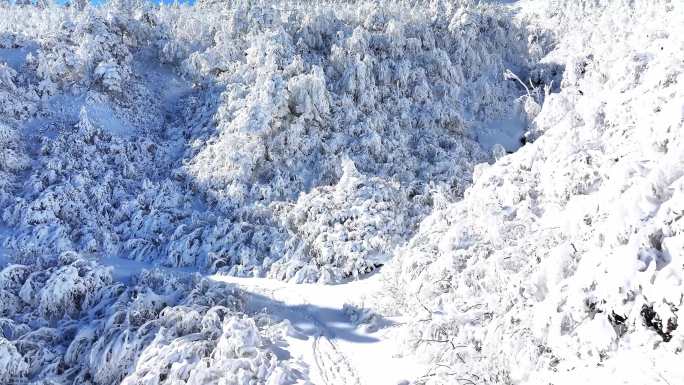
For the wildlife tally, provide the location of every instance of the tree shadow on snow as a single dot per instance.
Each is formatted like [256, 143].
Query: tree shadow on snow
[310, 320]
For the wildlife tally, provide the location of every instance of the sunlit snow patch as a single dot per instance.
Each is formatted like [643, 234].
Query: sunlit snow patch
[322, 333]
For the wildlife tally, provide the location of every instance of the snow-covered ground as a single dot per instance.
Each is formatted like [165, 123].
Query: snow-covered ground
[327, 326]
[365, 192]
[343, 345]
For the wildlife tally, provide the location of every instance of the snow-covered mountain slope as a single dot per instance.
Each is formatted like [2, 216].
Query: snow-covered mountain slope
[188, 135]
[509, 172]
[563, 262]
[302, 142]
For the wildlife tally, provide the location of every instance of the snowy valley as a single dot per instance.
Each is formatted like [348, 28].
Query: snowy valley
[342, 192]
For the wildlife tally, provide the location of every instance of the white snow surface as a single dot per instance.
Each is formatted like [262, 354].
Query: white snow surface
[344, 343]
[364, 192]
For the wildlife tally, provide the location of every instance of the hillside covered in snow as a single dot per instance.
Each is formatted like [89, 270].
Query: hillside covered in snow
[342, 192]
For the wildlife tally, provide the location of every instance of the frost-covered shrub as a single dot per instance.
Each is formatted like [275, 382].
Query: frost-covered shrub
[13, 159]
[236, 356]
[110, 75]
[345, 230]
[74, 286]
[12, 365]
[13, 276]
[9, 303]
[363, 316]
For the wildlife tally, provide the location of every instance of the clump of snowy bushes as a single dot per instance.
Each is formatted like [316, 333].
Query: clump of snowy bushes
[70, 323]
[13, 159]
[347, 229]
[359, 315]
[563, 262]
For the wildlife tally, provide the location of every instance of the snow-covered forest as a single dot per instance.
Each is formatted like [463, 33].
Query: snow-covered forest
[337, 192]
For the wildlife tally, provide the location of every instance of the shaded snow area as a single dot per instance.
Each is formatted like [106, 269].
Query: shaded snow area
[328, 327]
[334, 193]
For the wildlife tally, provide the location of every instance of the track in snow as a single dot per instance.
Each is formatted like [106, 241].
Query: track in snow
[323, 337]
[335, 350]
[332, 364]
